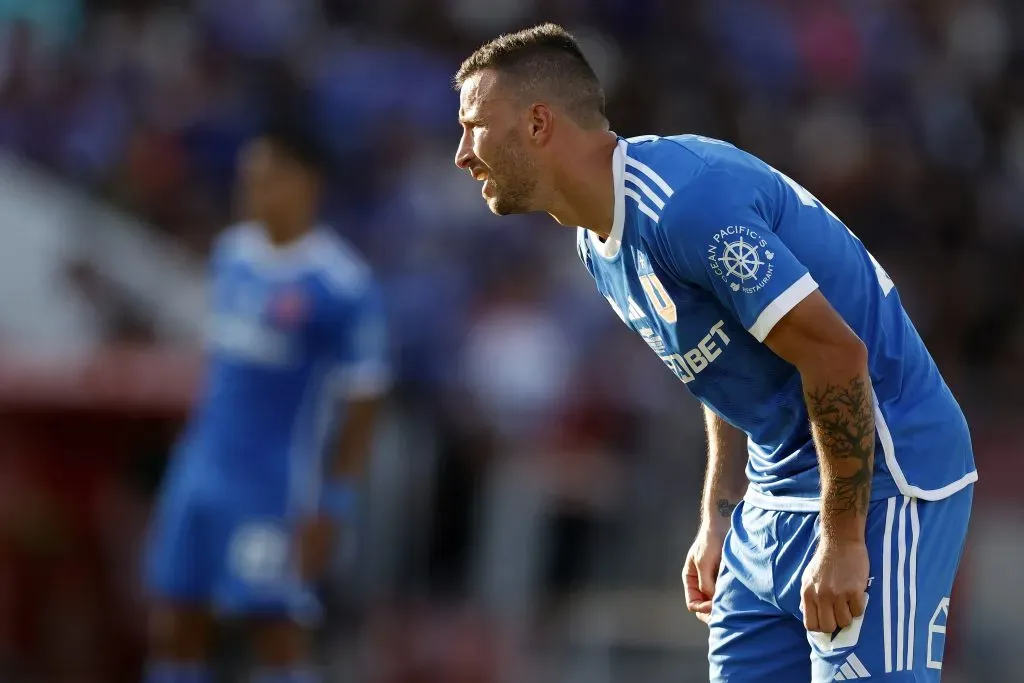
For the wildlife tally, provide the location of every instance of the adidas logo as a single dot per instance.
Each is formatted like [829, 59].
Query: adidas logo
[852, 670]
[635, 312]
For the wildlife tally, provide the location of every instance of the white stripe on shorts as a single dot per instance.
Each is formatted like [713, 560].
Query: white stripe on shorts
[890, 511]
[901, 568]
[915, 530]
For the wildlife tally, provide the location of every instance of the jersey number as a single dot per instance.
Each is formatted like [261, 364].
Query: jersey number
[659, 298]
[808, 199]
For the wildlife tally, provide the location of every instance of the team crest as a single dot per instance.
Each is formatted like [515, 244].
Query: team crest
[643, 266]
[740, 257]
[288, 308]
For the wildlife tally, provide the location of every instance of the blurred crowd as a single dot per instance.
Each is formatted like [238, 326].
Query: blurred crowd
[906, 117]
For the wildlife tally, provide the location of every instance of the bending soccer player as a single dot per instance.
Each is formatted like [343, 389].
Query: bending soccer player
[835, 560]
[248, 508]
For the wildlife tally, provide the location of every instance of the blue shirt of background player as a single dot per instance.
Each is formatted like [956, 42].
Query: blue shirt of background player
[710, 248]
[292, 332]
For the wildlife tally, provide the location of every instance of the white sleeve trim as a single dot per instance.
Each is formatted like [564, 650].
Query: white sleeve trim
[783, 304]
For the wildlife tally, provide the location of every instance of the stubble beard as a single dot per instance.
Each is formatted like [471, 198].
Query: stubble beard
[514, 192]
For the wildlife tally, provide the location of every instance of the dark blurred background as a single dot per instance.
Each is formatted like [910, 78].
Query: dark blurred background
[535, 484]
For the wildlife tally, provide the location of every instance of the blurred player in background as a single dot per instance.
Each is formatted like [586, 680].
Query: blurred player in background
[840, 555]
[296, 352]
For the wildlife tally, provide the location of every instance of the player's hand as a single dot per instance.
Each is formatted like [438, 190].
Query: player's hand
[701, 570]
[316, 538]
[833, 585]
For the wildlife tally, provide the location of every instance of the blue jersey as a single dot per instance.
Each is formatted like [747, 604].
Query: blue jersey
[292, 332]
[710, 248]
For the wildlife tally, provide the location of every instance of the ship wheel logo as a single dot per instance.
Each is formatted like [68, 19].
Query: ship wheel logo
[741, 259]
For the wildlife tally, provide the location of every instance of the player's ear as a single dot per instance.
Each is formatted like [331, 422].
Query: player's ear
[541, 120]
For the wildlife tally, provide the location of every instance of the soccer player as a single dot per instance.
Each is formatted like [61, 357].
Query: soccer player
[295, 355]
[836, 562]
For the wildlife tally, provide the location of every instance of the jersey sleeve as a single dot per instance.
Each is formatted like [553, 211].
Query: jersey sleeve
[360, 341]
[717, 234]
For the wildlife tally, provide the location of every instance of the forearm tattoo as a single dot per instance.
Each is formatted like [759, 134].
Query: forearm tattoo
[843, 423]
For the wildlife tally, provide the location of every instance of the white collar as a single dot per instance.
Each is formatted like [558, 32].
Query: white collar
[258, 250]
[610, 247]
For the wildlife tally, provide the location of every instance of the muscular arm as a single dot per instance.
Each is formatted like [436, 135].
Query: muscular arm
[833, 367]
[724, 485]
[725, 480]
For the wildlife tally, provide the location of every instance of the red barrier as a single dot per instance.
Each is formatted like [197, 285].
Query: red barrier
[137, 380]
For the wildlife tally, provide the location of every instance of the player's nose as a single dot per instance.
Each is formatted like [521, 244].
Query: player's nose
[464, 154]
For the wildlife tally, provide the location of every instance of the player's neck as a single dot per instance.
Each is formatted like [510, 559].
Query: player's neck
[284, 233]
[583, 192]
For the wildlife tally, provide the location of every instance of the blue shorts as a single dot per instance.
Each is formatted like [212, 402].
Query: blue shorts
[757, 631]
[234, 556]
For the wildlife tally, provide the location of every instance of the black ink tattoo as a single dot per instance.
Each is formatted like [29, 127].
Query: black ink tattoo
[844, 426]
[725, 507]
